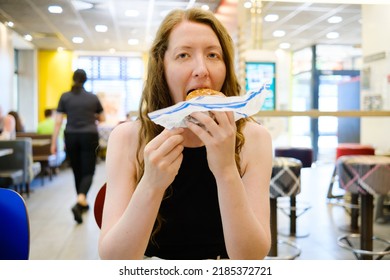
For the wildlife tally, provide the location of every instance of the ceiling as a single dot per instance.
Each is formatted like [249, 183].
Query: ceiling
[304, 23]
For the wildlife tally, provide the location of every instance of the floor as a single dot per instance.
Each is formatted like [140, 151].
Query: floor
[56, 236]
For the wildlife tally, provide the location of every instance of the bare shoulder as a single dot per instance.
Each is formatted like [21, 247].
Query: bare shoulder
[254, 131]
[127, 131]
[123, 140]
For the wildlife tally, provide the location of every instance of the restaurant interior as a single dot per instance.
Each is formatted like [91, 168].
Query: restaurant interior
[327, 67]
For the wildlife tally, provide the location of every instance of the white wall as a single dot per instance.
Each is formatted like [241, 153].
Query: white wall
[7, 98]
[376, 39]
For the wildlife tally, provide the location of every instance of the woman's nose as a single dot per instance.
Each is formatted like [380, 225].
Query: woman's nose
[200, 68]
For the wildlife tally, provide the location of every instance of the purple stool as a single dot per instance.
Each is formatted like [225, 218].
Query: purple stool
[305, 156]
[285, 182]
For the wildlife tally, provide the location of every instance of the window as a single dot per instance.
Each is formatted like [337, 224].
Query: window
[117, 80]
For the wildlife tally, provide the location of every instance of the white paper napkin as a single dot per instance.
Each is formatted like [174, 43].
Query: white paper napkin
[242, 106]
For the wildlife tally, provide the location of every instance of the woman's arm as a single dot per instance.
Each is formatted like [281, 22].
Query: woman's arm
[57, 127]
[130, 210]
[244, 202]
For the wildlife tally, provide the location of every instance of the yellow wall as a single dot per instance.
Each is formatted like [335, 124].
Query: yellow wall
[54, 77]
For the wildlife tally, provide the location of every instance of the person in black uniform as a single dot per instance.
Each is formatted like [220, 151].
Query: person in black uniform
[83, 111]
[200, 192]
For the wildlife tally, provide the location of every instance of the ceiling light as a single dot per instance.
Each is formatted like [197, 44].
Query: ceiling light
[9, 24]
[28, 37]
[132, 13]
[77, 40]
[335, 19]
[284, 46]
[81, 5]
[248, 4]
[205, 7]
[133, 42]
[271, 17]
[101, 28]
[279, 33]
[55, 9]
[332, 35]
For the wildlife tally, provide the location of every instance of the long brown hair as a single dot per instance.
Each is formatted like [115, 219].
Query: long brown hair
[156, 93]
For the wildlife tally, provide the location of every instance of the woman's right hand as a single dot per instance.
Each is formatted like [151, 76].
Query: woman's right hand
[163, 157]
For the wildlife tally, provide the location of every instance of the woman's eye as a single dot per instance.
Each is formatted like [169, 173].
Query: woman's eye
[214, 55]
[182, 55]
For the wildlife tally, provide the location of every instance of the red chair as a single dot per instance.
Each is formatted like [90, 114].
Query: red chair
[99, 205]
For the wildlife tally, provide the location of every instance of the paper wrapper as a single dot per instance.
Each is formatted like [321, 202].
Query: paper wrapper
[242, 106]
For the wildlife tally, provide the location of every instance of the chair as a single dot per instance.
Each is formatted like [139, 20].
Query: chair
[99, 204]
[14, 224]
[285, 182]
[19, 160]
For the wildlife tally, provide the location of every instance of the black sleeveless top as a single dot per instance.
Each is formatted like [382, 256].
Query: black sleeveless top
[192, 226]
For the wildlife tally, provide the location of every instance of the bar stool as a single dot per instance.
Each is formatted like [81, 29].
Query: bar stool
[346, 149]
[352, 207]
[365, 176]
[285, 181]
[293, 210]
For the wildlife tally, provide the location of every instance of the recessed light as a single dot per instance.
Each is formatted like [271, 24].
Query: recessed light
[132, 13]
[284, 46]
[77, 40]
[248, 5]
[55, 9]
[133, 42]
[9, 24]
[271, 18]
[335, 19]
[332, 35]
[101, 28]
[28, 37]
[279, 33]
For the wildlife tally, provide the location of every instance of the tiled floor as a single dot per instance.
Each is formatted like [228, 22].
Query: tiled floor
[55, 235]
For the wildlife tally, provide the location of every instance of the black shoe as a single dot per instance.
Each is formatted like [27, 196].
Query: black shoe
[76, 210]
[83, 208]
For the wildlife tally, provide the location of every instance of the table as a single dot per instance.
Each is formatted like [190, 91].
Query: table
[40, 142]
[5, 152]
[366, 175]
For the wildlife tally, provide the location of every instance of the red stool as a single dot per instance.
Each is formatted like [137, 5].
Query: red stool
[348, 149]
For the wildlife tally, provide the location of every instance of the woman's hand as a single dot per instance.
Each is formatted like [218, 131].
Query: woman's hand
[218, 133]
[163, 157]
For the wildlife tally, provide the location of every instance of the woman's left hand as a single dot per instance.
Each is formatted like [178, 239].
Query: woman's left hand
[218, 133]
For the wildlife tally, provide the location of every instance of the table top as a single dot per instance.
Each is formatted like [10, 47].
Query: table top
[365, 174]
[4, 152]
[41, 142]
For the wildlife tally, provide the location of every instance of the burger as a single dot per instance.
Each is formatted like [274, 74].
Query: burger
[203, 92]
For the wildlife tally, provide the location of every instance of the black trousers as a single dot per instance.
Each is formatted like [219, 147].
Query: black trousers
[82, 149]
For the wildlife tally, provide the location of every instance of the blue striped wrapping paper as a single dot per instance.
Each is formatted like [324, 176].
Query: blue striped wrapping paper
[242, 106]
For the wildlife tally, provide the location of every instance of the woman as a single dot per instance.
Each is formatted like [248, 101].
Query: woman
[83, 110]
[7, 126]
[188, 193]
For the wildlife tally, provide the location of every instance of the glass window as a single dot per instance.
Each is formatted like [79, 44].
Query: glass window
[117, 80]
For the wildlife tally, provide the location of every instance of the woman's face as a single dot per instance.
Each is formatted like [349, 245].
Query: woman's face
[193, 60]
